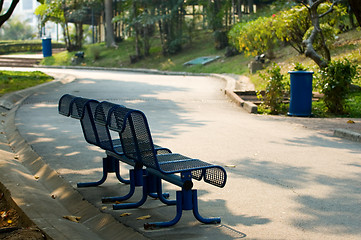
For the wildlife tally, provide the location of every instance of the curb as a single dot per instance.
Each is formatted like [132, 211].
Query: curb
[40, 192]
[229, 91]
[347, 134]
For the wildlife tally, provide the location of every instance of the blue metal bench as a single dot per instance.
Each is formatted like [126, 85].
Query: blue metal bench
[137, 144]
[97, 133]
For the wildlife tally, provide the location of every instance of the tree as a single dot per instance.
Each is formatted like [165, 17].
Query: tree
[108, 6]
[9, 12]
[312, 6]
[68, 11]
[15, 29]
[356, 9]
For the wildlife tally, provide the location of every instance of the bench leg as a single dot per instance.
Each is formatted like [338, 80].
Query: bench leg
[155, 189]
[110, 165]
[153, 225]
[186, 200]
[133, 174]
[136, 204]
[196, 213]
[163, 197]
[151, 187]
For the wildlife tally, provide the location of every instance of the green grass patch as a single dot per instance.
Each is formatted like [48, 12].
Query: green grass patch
[353, 107]
[13, 81]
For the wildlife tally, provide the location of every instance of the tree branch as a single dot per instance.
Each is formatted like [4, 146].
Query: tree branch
[1, 5]
[303, 3]
[330, 9]
[6, 16]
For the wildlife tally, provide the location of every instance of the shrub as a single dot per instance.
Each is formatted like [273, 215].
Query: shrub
[94, 52]
[299, 67]
[274, 93]
[334, 82]
[255, 37]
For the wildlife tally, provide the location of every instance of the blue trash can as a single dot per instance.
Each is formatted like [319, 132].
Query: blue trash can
[301, 93]
[46, 44]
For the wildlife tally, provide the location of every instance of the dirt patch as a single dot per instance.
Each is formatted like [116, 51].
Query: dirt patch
[14, 224]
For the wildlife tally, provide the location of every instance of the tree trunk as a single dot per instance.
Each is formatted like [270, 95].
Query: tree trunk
[9, 12]
[250, 6]
[356, 9]
[108, 23]
[310, 51]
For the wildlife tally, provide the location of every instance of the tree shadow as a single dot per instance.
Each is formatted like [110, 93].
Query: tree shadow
[327, 202]
[60, 142]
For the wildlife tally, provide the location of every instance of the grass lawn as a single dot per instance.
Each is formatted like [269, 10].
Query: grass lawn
[11, 81]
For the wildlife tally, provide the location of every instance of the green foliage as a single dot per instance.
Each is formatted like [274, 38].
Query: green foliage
[274, 93]
[291, 26]
[299, 67]
[24, 46]
[15, 29]
[94, 52]
[254, 37]
[329, 34]
[334, 82]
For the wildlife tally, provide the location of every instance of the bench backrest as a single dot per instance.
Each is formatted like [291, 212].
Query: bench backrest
[101, 118]
[87, 110]
[83, 109]
[64, 105]
[135, 136]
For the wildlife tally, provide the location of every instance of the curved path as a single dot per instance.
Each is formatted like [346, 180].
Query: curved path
[288, 178]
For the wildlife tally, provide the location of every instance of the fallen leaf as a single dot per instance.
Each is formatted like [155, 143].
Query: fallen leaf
[9, 221]
[16, 156]
[72, 218]
[144, 217]
[104, 208]
[4, 214]
[125, 214]
[350, 121]
[231, 166]
[36, 177]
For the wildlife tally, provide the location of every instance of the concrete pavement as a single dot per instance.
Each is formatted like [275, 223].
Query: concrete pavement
[289, 178]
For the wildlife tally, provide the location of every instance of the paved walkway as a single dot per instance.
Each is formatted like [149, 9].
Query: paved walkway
[289, 178]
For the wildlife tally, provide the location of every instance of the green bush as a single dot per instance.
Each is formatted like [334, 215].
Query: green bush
[291, 26]
[299, 67]
[274, 93]
[24, 46]
[334, 82]
[94, 52]
[254, 37]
